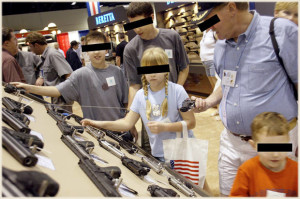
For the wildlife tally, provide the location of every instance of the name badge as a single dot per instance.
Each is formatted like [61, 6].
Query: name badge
[111, 81]
[275, 194]
[228, 78]
[169, 52]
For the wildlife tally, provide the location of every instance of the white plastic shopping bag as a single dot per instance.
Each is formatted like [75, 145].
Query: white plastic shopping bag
[188, 156]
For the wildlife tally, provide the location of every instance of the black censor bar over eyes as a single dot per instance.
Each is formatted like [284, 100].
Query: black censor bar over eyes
[96, 47]
[209, 23]
[283, 147]
[153, 69]
[137, 24]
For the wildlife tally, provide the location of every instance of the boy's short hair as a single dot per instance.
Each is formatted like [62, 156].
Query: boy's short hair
[95, 35]
[36, 37]
[139, 8]
[6, 34]
[285, 6]
[74, 43]
[271, 123]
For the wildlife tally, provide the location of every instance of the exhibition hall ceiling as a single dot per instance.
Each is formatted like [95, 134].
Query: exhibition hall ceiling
[9, 8]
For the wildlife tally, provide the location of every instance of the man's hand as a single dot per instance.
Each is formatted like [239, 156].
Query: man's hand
[156, 127]
[200, 104]
[134, 133]
[39, 81]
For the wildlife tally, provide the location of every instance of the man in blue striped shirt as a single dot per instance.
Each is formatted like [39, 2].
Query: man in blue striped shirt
[253, 80]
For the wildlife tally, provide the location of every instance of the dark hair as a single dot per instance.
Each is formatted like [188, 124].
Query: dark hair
[6, 34]
[96, 35]
[139, 8]
[121, 35]
[74, 43]
[36, 37]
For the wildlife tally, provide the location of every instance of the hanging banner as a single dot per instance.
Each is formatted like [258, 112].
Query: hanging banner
[93, 8]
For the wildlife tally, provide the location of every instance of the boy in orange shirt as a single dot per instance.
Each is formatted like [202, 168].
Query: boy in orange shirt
[269, 173]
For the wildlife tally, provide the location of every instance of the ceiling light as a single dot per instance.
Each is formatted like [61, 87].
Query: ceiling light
[23, 31]
[51, 25]
[73, 3]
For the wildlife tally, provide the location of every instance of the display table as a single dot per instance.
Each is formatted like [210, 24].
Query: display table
[73, 182]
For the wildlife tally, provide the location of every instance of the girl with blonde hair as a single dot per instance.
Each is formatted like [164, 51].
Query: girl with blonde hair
[157, 103]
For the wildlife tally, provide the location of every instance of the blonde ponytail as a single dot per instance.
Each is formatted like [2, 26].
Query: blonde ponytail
[164, 105]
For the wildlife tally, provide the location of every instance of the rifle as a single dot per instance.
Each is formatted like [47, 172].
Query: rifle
[101, 177]
[67, 129]
[15, 106]
[186, 185]
[138, 168]
[27, 183]
[26, 139]
[9, 88]
[130, 148]
[19, 116]
[157, 191]
[18, 150]
[184, 188]
[14, 122]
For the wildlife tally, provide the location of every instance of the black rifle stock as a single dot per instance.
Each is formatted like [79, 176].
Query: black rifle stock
[67, 129]
[18, 150]
[15, 106]
[138, 168]
[19, 116]
[157, 191]
[26, 139]
[101, 177]
[14, 122]
[27, 183]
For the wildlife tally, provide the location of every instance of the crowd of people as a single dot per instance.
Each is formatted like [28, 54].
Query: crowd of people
[255, 97]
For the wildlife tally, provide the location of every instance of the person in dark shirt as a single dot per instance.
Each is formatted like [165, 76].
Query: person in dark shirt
[120, 50]
[72, 56]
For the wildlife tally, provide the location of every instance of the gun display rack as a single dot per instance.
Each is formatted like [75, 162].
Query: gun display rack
[75, 151]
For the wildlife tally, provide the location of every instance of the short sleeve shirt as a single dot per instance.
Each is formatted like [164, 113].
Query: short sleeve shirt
[55, 66]
[29, 62]
[98, 102]
[261, 84]
[169, 40]
[176, 95]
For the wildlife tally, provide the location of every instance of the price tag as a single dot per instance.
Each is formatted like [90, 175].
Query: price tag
[45, 162]
[39, 135]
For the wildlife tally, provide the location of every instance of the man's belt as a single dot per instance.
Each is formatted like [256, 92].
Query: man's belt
[292, 125]
[243, 137]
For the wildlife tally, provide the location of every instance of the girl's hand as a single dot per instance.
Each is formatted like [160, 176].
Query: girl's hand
[156, 127]
[86, 122]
